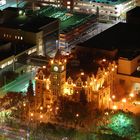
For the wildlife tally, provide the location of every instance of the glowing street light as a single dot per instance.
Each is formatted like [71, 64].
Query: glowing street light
[104, 60]
[24, 104]
[41, 108]
[124, 100]
[48, 106]
[114, 107]
[57, 108]
[77, 115]
[41, 116]
[32, 114]
[131, 95]
[82, 73]
[113, 69]
[113, 96]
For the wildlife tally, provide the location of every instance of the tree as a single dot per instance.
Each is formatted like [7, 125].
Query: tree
[30, 91]
[123, 124]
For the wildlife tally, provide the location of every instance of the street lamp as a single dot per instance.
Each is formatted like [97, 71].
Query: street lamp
[114, 107]
[41, 108]
[131, 95]
[124, 100]
[32, 114]
[24, 104]
[77, 115]
[41, 116]
[113, 96]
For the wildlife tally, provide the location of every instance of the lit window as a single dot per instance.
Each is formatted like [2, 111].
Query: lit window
[15, 37]
[68, 2]
[4, 35]
[21, 38]
[68, 7]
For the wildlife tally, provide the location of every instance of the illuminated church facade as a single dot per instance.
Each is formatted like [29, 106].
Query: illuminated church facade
[97, 88]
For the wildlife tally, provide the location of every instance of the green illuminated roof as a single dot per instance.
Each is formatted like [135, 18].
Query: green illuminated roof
[68, 20]
[110, 2]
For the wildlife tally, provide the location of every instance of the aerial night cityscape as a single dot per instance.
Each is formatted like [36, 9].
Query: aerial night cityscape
[69, 69]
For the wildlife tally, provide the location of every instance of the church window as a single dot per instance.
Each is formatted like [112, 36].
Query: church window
[55, 77]
[79, 84]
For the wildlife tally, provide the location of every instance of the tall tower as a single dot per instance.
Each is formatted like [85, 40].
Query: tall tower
[58, 75]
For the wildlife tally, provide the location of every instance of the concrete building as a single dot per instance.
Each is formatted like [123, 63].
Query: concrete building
[109, 10]
[12, 54]
[73, 25]
[40, 31]
[120, 38]
[120, 43]
[129, 73]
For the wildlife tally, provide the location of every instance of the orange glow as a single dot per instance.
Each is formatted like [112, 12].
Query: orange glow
[77, 115]
[74, 85]
[57, 108]
[60, 63]
[32, 114]
[36, 78]
[91, 84]
[48, 106]
[115, 107]
[51, 61]
[41, 108]
[131, 94]
[113, 96]
[82, 73]
[124, 100]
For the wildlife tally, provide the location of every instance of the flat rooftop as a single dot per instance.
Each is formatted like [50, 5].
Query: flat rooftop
[68, 20]
[84, 62]
[12, 9]
[129, 55]
[110, 2]
[32, 23]
[135, 12]
[14, 49]
[122, 36]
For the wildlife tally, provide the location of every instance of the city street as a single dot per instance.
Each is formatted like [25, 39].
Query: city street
[18, 85]
[7, 133]
[12, 3]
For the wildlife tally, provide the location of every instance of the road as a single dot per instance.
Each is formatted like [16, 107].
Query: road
[128, 106]
[90, 33]
[8, 133]
[12, 3]
[18, 85]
